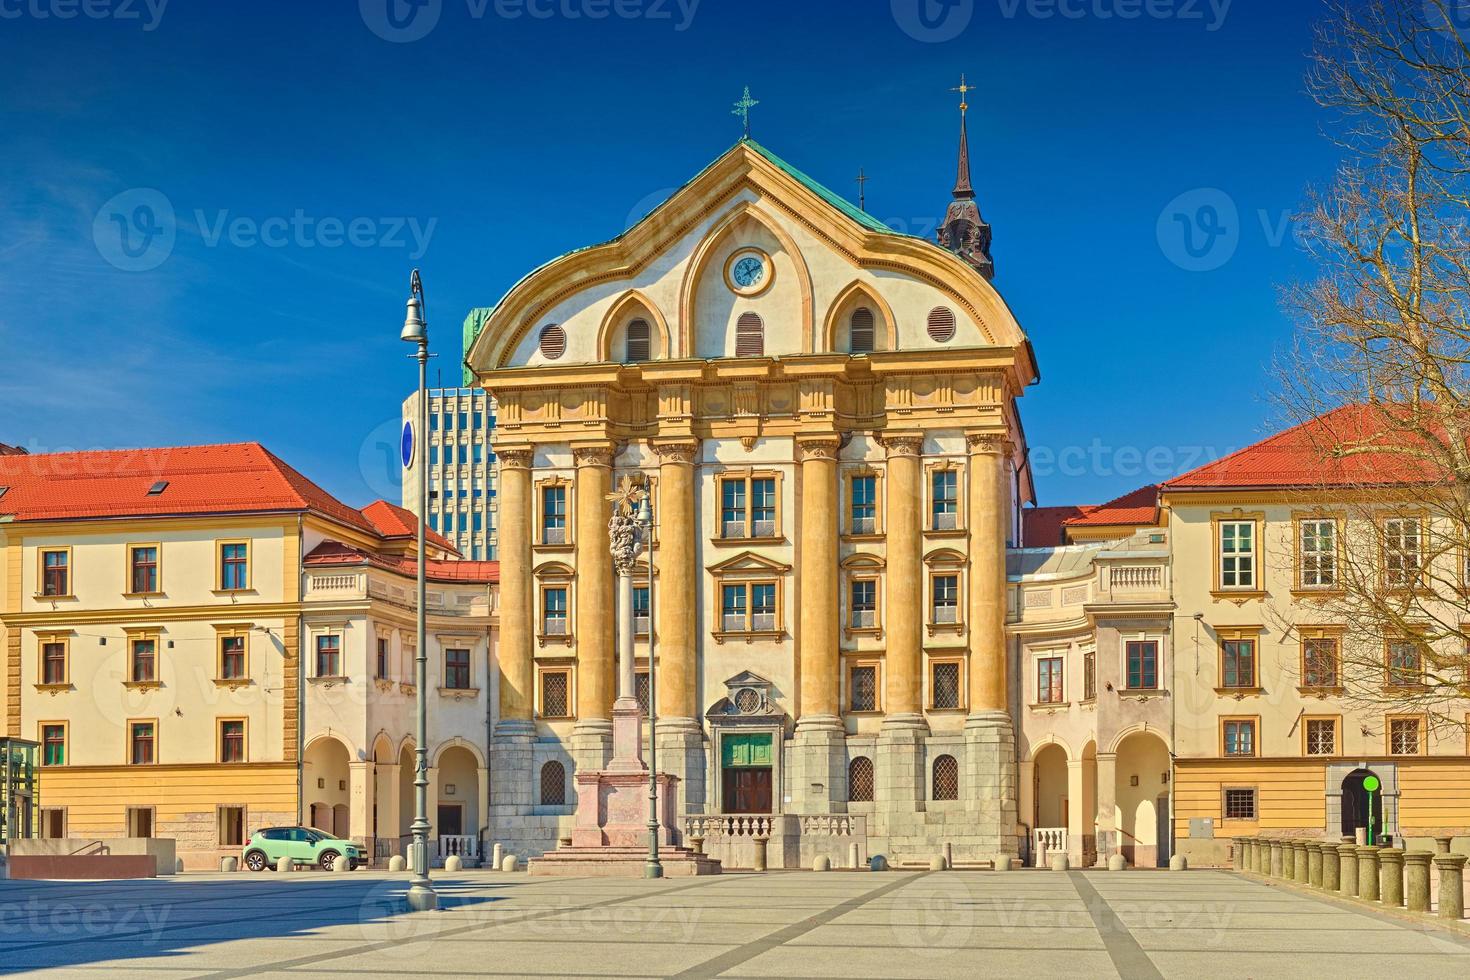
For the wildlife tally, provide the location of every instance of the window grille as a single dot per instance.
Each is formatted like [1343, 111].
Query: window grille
[553, 784]
[860, 780]
[946, 778]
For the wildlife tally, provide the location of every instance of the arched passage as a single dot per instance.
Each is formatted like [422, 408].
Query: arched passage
[1357, 811]
[1142, 800]
[405, 793]
[325, 792]
[1050, 803]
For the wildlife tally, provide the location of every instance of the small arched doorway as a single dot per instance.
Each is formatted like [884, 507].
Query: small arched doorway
[1355, 804]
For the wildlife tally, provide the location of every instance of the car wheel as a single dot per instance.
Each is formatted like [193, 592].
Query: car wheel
[327, 860]
[255, 861]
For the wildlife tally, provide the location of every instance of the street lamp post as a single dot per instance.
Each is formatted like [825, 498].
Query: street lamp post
[654, 868]
[421, 896]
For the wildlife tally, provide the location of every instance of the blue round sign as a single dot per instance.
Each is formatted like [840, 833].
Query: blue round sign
[406, 444]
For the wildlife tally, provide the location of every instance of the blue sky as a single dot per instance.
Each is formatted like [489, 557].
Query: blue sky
[1138, 159]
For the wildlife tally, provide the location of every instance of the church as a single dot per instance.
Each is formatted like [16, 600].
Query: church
[825, 413]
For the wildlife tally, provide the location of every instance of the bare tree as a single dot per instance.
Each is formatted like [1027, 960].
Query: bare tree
[1377, 378]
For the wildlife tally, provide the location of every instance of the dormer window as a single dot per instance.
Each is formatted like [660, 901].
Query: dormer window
[860, 331]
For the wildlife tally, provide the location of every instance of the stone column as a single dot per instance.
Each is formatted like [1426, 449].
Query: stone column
[1107, 806]
[1451, 868]
[1076, 825]
[818, 753]
[511, 790]
[595, 594]
[1331, 880]
[1288, 860]
[1347, 855]
[1302, 873]
[1277, 860]
[902, 775]
[360, 799]
[1368, 873]
[1237, 852]
[1391, 876]
[677, 623]
[1416, 880]
[989, 733]
[1314, 863]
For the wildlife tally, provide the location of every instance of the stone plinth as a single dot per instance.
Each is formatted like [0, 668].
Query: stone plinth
[1391, 877]
[1416, 880]
[1368, 873]
[1348, 874]
[1451, 868]
[1330, 866]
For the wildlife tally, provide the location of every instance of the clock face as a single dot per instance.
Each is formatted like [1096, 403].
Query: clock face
[748, 271]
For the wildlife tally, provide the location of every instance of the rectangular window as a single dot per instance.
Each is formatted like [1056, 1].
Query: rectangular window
[143, 569]
[1240, 736]
[763, 606]
[53, 745]
[383, 658]
[433, 455]
[329, 655]
[53, 662]
[1317, 549]
[142, 744]
[864, 505]
[1237, 555]
[232, 824]
[642, 690]
[143, 661]
[53, 822]
[863, 611]
[1319, 662]
[556, 694]
[56, 573]
[433, 421]
[946, 599]
[464, 421]
[234, 567]
[479, 454]
[232, 658]
[1321, 736]
[640, 610]
[1089, 675]
[478, 421]
[944, 500]
[553, 515]
[1402, 553]
[457, 669]
[862, 683]
[232, 741]
[140, 821]
[944, 680]
[1403, 736]
[763, 507]
[1240, 804]
[554, 611]
[1049, 688]
[1405, 664]
[1238, 663]
[732, 509]
[748, 507]
[1143, 665]
[732, 608]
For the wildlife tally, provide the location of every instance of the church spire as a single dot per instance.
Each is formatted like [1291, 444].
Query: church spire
[964, 232]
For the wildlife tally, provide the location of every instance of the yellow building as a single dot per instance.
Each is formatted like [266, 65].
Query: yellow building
[825, 410]
[153, 605]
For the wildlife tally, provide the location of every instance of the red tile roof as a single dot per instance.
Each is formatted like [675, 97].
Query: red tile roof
[1138, 507]
[1310, 455]
[392, 521]
[240, 478]
[331, 554]
[1041, 527]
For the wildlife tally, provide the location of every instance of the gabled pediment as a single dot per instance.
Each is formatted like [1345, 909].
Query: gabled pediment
[748, 562]
[747, 678]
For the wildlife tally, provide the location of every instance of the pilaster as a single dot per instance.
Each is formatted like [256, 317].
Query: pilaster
[517, 589]
[595, 599]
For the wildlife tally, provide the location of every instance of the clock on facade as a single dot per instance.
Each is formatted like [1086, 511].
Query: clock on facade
[748, 271]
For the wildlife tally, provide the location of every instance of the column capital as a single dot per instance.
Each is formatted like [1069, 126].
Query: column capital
[515, 457]
[817, 447]
[903, 443]
[988, 443]
[593, 454]
[684, 451]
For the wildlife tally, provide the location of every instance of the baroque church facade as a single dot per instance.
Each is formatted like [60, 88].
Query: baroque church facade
[825, 413]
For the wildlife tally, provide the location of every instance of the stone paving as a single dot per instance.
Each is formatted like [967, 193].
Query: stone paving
[795, 924]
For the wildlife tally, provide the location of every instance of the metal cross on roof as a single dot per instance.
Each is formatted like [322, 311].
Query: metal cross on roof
[963, 88]
[862, 179]
[742, 109]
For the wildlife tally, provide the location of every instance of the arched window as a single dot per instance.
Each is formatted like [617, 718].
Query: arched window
[639, 344]
[946, 778]
[553, 341]
[941, 324]
[750, 336]
[860, 780]
[553, 784]
[860, 331]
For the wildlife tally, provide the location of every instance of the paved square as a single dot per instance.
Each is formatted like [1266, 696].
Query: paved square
[796, 924]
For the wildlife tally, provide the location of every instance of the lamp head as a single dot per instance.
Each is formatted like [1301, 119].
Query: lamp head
[644, 515]
[415, 330]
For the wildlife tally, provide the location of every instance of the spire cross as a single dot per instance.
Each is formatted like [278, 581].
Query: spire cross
[963, 89]
[742, 109]
[862, 179]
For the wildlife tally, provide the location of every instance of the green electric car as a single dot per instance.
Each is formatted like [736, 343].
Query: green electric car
[304, 845]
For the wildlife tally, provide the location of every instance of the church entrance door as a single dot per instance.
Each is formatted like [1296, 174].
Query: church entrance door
[746, 764]
[747, 790]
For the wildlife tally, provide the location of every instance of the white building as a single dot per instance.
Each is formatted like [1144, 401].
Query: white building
[461, 469]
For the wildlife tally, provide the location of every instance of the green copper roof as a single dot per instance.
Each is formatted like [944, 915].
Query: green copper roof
[831, 197]
[474, 322]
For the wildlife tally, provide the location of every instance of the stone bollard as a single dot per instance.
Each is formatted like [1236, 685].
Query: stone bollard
[1330, 880]
[1276, 858]
[1288, 860]
[1303, 874]
[1451, 869]
[1004, 862]
[497, 855]
[853, 859]
[1262, 852]
[1059, 861]
[696, 844]
[454, 863]
[1237, 854]
[1416, 880]
[285, 866]
[1117, 862]
[1391, 876]
[759, 863]
[1314, 863]
[1347, 855]
[397, 863]
[1178, 862]
[877, 863]
[936, 863]
[510, 863]
[948, 856]
[178, 866]
[341, 866]
[229, 864]
[822, 863]
[1368, 873]
[1442, 845]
